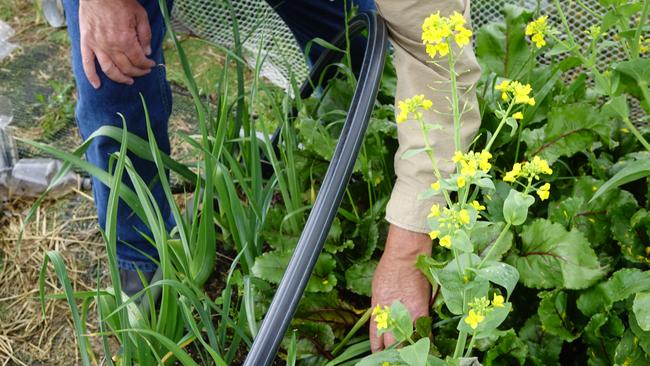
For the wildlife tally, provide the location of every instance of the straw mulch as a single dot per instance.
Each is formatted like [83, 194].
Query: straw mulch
[68, 226]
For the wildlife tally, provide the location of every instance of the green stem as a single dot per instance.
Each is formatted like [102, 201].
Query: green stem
[454, 99]
[643, 85]
[471, 345]
[499, 238]
[636, 133]
[436, 171]
[639, 29]
[460, 344]
[501, 124]
[360, 323]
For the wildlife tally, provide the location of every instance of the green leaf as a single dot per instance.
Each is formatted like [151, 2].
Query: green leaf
[412, 152]
[641, 308]
[358, 278]
[629, 352]
[416, 354]
[571, 129]
[620, 286]
[461, 242]
[484, 237]
[552, 257]
[271, 266]
[501, 274]
[638, 69]
[552, 312]
[633, 171]
[378, 359]
[403, 328]
[509, 349]
[543, 348]
[502, 47]
[515, 207]
[488, 327]
[423, 326]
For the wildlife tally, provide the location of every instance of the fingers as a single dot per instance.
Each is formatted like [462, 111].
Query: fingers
[88, 62]
[376, 342]
[111, 70]
[388, 339]
[144, 32]
[123, 62]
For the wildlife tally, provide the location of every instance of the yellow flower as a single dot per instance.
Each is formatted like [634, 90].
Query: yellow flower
[477, 206]
[458, 156]
[435, 186]
[435, 210]
[544, 191]
[539, 165]
[473, 319]
[512, 175]
[438, 31]
[497, 301]
[463, 215]
[537, 30]
[385, 364]
[518, 115]
[460, 181]
[434, 234]
[513, 89]
[445, 241]
[412, 107]
[382, 316]
[484, 161]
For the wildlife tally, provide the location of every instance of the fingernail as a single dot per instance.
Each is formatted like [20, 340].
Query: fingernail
[148, 50]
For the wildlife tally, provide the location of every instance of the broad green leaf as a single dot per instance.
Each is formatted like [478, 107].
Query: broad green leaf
[508, 348]
[484, 237]
[312, 337]
[391, 356]
[629, 351]
[621, 285]
[571, 129]
[502, 47]
[644, 336]
[641, 308]
[515, 207]
[638, 69]
[462, 242]
[271, 266]
[489, 325]
[552, 257]
[358, 278]
[416, 354]
[501, 274]
[552, 313]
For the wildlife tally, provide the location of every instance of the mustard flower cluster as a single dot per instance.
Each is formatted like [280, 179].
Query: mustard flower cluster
[412, 107]
[382, 316]
[472, 162]
[438, 32]
[531, 170]
[537, 31]
[446, 222]
[511, 89]
[481, 307]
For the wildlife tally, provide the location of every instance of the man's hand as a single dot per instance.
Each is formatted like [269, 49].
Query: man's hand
[118, 34]
[397, 278]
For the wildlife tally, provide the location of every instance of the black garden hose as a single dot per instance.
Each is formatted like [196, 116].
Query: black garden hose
[310, 244]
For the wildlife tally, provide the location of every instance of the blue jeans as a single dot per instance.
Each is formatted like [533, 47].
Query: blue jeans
[307, 19]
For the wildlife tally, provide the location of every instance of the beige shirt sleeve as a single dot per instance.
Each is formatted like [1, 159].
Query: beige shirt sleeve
[417, 75]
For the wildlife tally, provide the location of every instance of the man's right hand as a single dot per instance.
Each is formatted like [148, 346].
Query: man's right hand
[118, 34]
